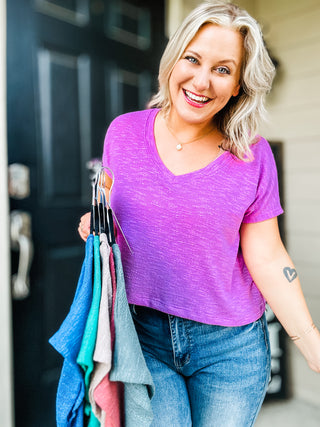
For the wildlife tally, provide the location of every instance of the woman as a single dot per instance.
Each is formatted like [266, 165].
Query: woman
[196, 194]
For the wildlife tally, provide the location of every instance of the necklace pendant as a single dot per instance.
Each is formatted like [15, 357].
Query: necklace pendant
[179, 147]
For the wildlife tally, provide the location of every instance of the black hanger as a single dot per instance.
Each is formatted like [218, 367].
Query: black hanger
[101, 212]
[111, 235]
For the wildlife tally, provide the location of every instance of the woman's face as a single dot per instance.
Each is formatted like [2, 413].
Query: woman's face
[207, 75]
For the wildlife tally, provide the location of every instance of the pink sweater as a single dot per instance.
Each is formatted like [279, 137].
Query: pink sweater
[184, 230]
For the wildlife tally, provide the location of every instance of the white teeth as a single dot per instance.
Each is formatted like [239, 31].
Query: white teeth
[196, 97]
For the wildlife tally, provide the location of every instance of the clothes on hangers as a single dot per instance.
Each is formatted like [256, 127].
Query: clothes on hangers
[109, 395]
[85, 356]
[114, 292]
[109, 398]
[102, 353]
[129, 365]
[67, 341]
[105, 380]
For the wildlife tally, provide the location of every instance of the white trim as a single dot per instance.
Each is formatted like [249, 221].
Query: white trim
[6, 393]
[174, 15]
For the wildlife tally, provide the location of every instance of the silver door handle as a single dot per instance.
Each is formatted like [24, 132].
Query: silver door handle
[20, 232]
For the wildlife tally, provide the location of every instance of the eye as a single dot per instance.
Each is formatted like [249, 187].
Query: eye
[223, 70]
[191, 59]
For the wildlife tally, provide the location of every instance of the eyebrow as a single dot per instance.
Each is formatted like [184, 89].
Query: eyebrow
[219, 62]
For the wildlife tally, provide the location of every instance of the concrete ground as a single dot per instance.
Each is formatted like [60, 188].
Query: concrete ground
[288, 413]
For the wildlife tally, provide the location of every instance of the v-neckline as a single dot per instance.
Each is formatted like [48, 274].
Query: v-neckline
[151, 142]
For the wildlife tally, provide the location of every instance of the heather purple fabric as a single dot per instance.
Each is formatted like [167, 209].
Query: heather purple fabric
[184, 230]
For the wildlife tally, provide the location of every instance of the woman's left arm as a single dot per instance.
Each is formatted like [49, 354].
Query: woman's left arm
[274, 274]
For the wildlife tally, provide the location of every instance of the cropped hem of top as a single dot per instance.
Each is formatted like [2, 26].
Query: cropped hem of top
[184, 229]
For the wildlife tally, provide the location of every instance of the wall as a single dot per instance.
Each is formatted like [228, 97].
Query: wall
[177, 10]
[6, 413]
[292, 32]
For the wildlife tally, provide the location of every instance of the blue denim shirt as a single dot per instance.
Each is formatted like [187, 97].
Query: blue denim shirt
[67, 341]
[129, 365]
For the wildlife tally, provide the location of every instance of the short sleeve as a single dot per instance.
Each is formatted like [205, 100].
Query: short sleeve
[266, 204]
[107, 147]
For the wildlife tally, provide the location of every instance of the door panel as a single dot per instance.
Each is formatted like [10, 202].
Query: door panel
[129, 24]
[71, 11]
[65, 123]
[127, 88]
[72, 66]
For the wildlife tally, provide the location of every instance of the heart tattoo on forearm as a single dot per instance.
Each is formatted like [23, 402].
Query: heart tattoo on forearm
[290, 274]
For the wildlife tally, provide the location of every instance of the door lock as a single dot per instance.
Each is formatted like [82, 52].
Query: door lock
[19, 181]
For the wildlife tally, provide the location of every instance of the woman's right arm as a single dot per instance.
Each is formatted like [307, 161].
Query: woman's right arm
[84, 225]
[275, 276]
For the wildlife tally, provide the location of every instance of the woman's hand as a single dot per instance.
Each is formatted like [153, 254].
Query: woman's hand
[309, 345]
[84, 226]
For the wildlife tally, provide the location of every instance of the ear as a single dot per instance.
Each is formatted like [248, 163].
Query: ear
[236, 90]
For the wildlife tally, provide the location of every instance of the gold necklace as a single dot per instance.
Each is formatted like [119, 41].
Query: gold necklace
[180, 144]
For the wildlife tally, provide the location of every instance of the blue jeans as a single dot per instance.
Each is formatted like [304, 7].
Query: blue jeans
[204, 375]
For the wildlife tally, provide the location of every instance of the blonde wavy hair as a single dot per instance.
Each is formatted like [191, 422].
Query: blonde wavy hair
[238, 120]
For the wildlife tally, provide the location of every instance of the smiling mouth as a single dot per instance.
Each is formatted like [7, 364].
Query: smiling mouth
[201, 100]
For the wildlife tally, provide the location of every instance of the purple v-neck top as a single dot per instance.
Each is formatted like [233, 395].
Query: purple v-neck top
[184, 230]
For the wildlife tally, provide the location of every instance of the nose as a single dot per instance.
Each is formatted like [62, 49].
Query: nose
[201, 79]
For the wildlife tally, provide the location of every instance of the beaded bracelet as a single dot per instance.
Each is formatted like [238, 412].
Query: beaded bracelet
[305, 332]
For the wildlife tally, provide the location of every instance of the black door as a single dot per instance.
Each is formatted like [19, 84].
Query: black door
[72, 66]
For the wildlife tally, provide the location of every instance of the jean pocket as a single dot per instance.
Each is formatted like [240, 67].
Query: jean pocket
[248, 328]
[264, 327]
[133, 309]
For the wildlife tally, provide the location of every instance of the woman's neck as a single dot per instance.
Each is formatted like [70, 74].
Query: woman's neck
[185, 131]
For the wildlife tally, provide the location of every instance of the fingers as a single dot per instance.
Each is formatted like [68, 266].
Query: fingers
[84, 226]
[82, 234]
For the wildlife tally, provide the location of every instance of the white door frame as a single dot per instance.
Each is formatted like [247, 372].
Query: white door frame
[6, 389]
